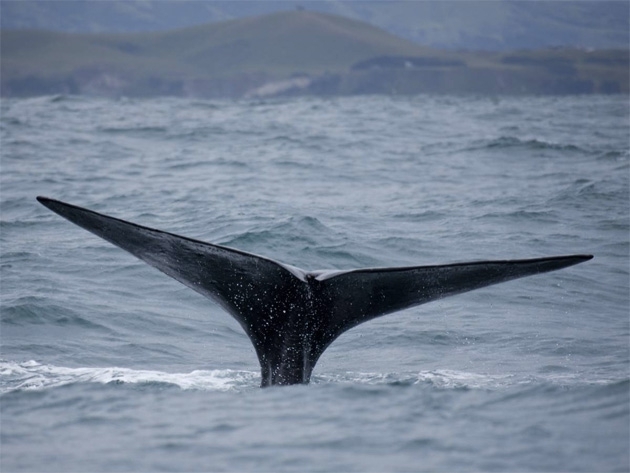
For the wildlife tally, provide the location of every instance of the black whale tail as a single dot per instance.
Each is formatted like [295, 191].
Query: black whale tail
[290, 315]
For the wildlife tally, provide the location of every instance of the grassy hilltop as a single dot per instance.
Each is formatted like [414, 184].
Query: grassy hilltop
[498, 25]
[297, 52]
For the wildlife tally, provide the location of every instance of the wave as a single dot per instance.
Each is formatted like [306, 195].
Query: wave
[34, 310]
[134, 129]
[34, 376]
[305, 230]
[447, 379]
[510, 142]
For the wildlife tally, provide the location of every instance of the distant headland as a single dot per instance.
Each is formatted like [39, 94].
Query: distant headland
[289, 53]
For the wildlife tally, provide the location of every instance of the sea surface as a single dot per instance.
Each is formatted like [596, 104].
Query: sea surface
[108, 365]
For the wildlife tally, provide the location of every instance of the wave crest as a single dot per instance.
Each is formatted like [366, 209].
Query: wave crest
[32, 375]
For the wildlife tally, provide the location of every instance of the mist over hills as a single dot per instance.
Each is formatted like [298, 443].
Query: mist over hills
[297, 52]
[498, 25]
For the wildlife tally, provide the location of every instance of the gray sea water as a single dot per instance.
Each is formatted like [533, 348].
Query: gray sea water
[108, 365]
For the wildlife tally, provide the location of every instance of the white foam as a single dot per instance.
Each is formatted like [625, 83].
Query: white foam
[462, 379]
[32, 375]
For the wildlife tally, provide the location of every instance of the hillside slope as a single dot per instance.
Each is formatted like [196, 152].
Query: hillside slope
[274, 44]
[289, 52]
[499, 25]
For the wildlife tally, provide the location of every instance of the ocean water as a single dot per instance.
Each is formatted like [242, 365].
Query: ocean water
[108, 365]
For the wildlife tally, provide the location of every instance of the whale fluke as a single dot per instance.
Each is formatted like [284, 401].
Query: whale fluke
[291, 315]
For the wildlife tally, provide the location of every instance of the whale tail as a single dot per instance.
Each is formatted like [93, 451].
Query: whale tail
[291, 315]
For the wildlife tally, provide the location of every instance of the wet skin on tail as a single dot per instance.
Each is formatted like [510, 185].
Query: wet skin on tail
[291, 315]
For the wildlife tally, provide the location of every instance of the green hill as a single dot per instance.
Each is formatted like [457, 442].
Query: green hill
[276, 44]
[287, 52]
[498, 25]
